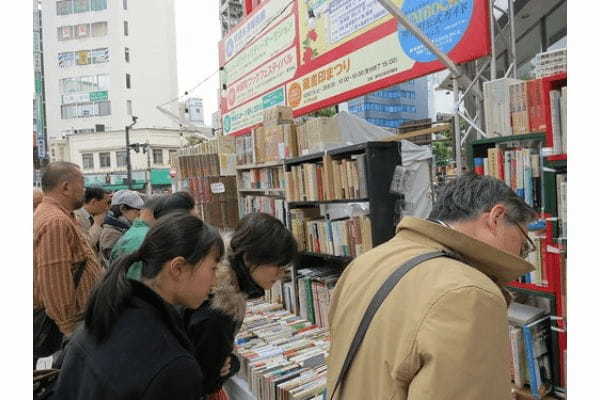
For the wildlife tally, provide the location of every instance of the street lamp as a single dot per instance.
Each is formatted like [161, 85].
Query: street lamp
[127, 149]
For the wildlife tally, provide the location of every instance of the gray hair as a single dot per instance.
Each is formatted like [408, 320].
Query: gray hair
[56, 173]
[471, 195]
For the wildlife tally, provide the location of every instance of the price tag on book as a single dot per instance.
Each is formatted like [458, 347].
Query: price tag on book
[217, 187]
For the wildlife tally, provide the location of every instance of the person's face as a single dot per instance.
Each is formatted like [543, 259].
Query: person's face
[196, 281]
[131, 214]
[504, 234]
[147, 216]
[267, 275]
[74, 190]
[97, 207]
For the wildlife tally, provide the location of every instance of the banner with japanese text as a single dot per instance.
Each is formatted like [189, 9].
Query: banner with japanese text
[323, 52]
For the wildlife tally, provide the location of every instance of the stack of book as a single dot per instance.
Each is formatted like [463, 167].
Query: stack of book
[558, 113]
[315, 287]
[540, 275]
[527, 111]
[518, 167]
[217, 198]
[561, 203]
[340, 179]
[282, 356]
[244, 149]
[529, 335]
[263, 178]
[268, 205]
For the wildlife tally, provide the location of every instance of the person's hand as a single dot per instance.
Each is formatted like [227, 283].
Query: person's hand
[99, 218]
[226, 367]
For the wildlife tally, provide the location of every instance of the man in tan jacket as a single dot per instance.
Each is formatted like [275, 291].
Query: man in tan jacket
[442, 333]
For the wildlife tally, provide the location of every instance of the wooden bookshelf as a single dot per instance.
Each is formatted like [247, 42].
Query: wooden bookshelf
[260, 166]
[298, 204]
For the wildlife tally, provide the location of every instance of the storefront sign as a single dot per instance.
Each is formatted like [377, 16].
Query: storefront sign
[323, 52]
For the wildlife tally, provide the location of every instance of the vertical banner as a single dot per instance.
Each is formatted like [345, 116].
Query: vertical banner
[310, 54]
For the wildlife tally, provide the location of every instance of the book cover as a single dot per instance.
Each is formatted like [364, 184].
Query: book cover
[478, 166]
[556, 124]
[563, 117]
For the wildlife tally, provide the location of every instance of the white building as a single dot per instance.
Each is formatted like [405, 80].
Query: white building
[106, 60]
[102, 155]
[231, 12]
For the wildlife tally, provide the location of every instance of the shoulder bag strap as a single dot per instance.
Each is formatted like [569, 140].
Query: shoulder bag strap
[78, 273]
[376, 302]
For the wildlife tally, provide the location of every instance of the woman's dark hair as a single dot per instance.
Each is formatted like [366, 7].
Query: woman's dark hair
[178, 235]
[175, 202]
[262, 239]
[117, 209]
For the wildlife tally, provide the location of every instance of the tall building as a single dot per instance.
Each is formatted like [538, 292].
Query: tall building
[39, 103]
[231, 12]
[106, 60]
[391, 107]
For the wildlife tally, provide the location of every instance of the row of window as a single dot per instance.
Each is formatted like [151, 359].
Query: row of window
[90, 83]
[395, 94]
[83, 57]
[81, 31]
[85, 110]
[67, 7]
[382, 107]
[104, 158]
[388, 123]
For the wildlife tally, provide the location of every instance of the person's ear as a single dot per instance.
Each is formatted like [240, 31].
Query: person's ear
[495, 216]
[65, 186]
[177, 267]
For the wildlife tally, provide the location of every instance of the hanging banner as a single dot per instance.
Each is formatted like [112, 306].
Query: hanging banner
[323, 52]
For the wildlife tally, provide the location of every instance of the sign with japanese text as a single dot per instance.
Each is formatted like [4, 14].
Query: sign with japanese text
[323, 52]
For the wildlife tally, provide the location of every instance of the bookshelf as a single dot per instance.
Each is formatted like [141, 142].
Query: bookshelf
[552, 208]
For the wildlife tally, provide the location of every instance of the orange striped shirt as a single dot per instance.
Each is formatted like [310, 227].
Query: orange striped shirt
[59, 245]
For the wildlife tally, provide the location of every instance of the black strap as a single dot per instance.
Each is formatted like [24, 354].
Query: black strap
[376, 302]
[78, 273]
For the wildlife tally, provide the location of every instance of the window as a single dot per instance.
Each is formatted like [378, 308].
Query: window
[85, 110]
[98, 5]
[87, 160]
[172, 156]
[65, 33]
[66, 60]
[126, 54]
[64, 7]
[124, 4]
[104, 160]
[82, 31]
[121, 158]
[125, 28]
[103, 82]
[68, 111]
[88, 83]
[99, 29]
[129, 108]
[103, 108]
[128, 81]
[100, 56]
[157, 156]
[83, 57]
[81, 6]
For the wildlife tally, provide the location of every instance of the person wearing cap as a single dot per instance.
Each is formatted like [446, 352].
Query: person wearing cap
[125, 208]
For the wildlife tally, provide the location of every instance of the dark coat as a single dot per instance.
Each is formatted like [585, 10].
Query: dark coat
[147, 355]
[213, 326]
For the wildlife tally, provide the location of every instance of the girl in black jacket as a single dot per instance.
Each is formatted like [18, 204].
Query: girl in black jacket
[259, 250]
[133, 344]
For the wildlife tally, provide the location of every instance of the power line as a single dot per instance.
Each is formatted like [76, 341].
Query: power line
[240, 50]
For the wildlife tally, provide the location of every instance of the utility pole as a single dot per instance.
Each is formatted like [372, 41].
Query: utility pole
[127, 149]
[149, 179]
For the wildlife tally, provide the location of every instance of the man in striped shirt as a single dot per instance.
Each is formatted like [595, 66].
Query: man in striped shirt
[60, 247]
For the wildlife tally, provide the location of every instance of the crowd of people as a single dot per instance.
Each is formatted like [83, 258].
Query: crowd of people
[142, 300]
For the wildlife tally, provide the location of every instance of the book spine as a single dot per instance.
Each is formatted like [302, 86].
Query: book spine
[532, 366]
[563, 117]
[555, 118]
[478, 166]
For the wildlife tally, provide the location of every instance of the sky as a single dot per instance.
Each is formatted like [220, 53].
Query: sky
[198, 33]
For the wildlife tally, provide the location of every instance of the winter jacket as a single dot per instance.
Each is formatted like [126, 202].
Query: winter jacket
[441, 334]
[128, 243]
[213, 326]
[112, 230]
[147, 355]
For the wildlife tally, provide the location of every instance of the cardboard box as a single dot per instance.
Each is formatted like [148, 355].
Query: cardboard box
[273, 142]
[318, 134]
[260, 144]
[290, 141]
[277, 115]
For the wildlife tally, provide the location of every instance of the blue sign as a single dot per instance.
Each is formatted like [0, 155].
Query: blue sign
[444, 22]
[227, 123]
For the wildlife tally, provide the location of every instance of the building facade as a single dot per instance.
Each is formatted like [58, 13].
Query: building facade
[39, 103]
[391, 107]
[106, 60]
[103, 160]
[230, 14]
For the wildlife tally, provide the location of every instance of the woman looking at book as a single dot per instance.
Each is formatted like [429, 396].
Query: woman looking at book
[133, 344]
[258, 252]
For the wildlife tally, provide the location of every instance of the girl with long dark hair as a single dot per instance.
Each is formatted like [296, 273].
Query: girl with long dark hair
[133, 344]
[257, 255]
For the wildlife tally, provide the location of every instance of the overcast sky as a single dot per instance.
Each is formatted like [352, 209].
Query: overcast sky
[198, 33]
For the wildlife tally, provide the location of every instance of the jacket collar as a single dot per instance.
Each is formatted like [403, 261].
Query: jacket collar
[143, 296]
[227, 296]
[55, 203]
[117, 223]
[499, 265]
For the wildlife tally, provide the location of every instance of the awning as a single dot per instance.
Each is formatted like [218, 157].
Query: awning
[160, 177]
[135, 186]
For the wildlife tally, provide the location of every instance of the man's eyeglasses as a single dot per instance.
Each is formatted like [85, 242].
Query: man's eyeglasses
[528, 246]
